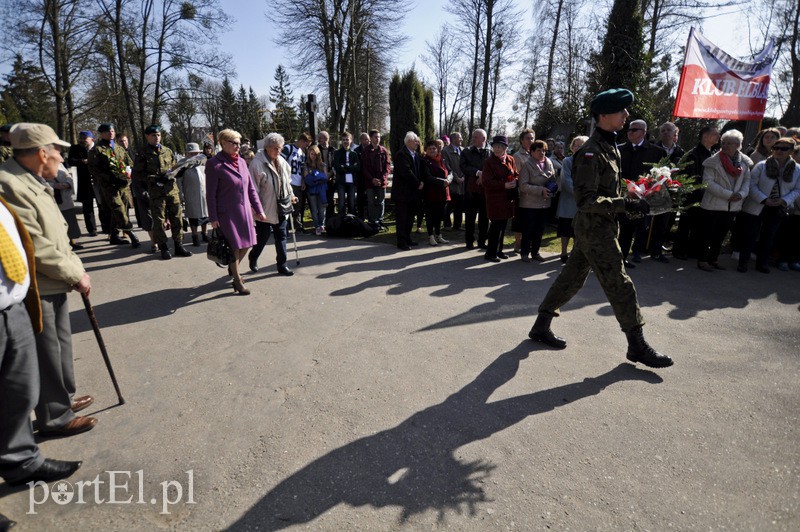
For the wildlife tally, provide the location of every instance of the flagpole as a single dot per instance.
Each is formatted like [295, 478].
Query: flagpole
[681, 82]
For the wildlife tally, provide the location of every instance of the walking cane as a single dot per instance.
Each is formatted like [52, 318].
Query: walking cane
[102, 345]
[294, 238]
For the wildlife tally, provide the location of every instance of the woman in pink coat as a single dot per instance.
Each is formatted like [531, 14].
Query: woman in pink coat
[232, 200]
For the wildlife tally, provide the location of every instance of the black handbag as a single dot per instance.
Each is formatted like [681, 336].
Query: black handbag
[219, 249]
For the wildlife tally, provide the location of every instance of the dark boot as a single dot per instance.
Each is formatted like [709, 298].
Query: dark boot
[116, 240]
[165, 254]
[181, 251]
[640, 351]
[134, 241]
[195, 240]
[540, 332]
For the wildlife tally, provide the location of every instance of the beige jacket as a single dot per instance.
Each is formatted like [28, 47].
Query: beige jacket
[58, 269]
[266, 176]
[531, 183]
[721, 186]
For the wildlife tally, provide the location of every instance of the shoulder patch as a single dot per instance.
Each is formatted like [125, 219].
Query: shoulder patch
[588, 155]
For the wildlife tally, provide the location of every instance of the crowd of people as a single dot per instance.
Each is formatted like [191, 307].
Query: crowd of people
[249, 195]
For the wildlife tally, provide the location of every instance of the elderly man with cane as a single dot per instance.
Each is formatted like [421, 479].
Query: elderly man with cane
[23, 184]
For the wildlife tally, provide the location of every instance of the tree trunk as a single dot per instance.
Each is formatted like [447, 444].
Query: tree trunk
[792, 115]
[474, 86]
[547, 104]
[123, 74]
[487, 61]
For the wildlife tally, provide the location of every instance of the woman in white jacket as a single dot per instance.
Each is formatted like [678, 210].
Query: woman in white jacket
[774, 186]
[272, 176]
[726, 175]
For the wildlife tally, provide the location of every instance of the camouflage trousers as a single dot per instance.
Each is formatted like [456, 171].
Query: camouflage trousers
[117, 201]
[596, 248]
[166, 206]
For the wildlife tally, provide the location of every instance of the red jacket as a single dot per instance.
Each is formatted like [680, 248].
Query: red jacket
[494, 176]
[375, 165]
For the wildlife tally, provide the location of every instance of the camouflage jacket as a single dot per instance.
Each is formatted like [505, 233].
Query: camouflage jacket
[107, 165]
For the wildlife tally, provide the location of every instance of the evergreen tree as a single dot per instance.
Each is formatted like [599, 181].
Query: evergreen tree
[622, 61]
[284, 115]
[25, 95]
[228, 108]
[407, 109]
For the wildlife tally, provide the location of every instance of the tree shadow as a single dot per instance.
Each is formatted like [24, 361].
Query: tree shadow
[413, 465]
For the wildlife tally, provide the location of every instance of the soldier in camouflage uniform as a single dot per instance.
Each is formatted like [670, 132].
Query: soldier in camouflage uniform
[151, 166]
[109, 165]
[600, 195]
[5, 143]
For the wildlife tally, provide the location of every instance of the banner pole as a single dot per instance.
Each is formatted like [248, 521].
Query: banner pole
[683, 76]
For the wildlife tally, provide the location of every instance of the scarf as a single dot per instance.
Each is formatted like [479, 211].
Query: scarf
[774, 172]
[732, 167]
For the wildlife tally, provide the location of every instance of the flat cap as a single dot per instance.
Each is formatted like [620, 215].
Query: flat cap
[103, 128]
[28, 135]
[611, 101]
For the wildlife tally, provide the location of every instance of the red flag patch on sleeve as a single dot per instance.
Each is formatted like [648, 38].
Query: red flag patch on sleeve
[588, 155]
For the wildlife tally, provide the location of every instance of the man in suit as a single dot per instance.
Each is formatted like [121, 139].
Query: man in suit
[474, 200]
[23, 184]
[410, 172]
[634, 154]
[20, 459]
[451, 153]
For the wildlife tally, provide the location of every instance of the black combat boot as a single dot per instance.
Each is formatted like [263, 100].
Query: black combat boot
[116, 240]
[640, 351]
[181, 251]
[165, 254]
[540, 332]
[195, 240]
[134, 241]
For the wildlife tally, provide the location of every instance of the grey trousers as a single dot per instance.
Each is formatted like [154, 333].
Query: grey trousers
[19, 391]
[54, 346]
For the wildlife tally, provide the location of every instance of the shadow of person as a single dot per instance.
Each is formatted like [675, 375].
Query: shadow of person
[413, 465]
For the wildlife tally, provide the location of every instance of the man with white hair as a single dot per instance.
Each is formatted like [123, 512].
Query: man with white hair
[410, 172]
[634, 154]
[474, 200]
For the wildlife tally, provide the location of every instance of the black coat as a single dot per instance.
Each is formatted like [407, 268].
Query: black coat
[408, 174]
[633, 159]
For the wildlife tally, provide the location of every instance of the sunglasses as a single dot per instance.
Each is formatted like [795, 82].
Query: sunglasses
[234, 143]
[781, 148]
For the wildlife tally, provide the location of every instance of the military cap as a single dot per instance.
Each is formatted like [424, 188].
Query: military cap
[192, 147]
[5, 128]
[611, 101]
[28, 135]
[86, 134]
[500, 139]
[152, 128]
[104, 128]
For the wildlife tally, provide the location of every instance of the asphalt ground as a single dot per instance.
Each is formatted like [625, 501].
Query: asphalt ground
[386, 390]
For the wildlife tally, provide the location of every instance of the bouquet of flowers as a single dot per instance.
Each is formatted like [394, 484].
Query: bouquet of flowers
[665, 187]
[120, 172]
[653, 181]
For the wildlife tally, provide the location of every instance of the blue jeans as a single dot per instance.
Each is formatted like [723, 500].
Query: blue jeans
[318, 203]
[375, 204]
[346, 190]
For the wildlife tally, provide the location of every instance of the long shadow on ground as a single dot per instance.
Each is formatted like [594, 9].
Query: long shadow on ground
[413, 465]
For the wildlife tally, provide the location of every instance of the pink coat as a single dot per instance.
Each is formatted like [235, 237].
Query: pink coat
[231, 196]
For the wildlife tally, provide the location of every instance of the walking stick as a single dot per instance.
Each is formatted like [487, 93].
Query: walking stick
[294, 238]
[96, 327]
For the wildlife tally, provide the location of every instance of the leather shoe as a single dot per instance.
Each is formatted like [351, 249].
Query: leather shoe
[470, 245]
[76, 426]
[253, 265]
[491, 259]
[502, 255]
[165, 254]
[403, 247]
[181, 251]
[117, 241]
[284, 270]
[629, 265]
[82, 402]
[49, 471]
[541, 332]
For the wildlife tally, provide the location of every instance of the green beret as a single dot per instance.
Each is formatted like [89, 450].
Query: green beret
[104, 128]
[611, 101]
[152, 128]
